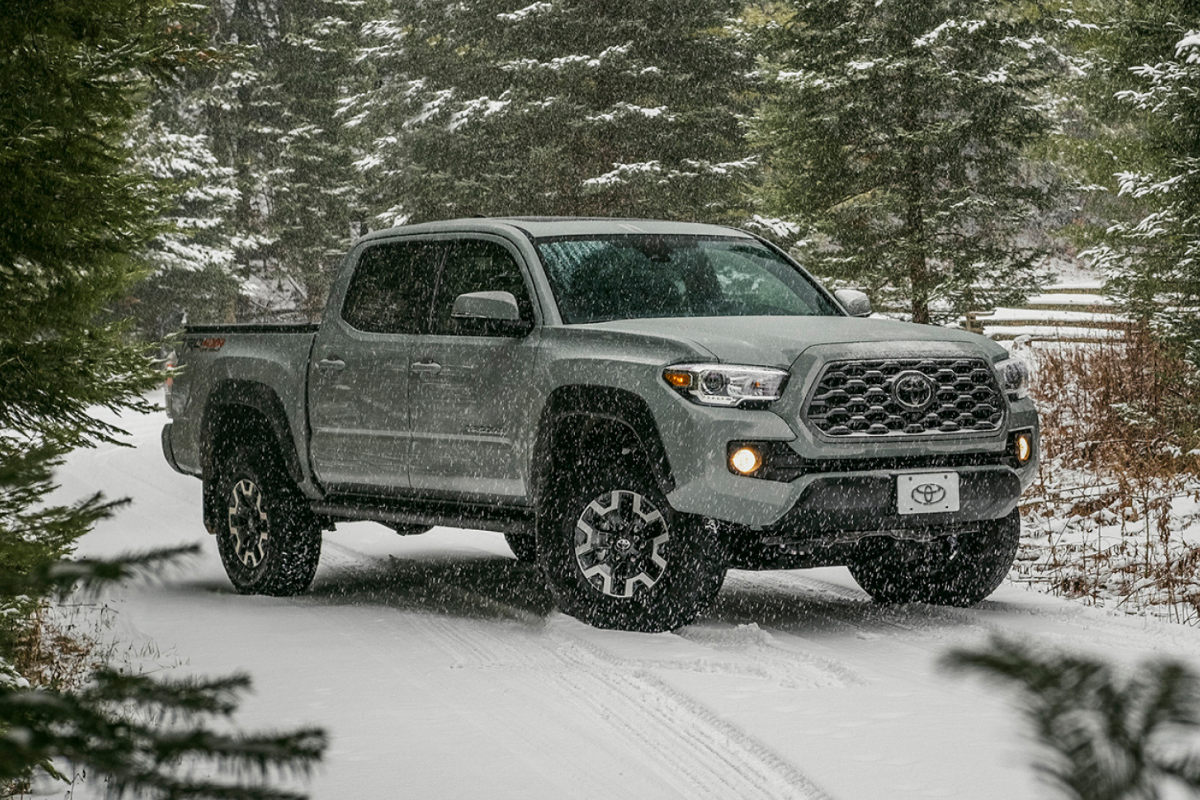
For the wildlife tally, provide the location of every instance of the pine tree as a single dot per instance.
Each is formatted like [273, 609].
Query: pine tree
[71, 217]
[74, 218]
[191, 264]
[573, 107]
[1151, 254]
[272, 118]
[136, 734]
[1105, 735]
[894, 135]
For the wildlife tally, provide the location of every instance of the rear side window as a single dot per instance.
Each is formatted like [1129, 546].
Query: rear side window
[392, 287]
[474, 265]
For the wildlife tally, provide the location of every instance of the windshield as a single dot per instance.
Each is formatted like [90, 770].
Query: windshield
[622, 276]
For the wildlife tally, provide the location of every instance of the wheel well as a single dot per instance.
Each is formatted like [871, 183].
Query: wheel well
[240, 412]
[596, 418]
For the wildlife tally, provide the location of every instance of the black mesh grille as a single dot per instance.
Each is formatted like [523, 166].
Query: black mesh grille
[857, 398]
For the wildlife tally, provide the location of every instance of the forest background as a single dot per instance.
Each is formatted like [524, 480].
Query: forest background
[938, 154]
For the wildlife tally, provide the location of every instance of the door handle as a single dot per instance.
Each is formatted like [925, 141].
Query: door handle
[425, 367]
[331, 363]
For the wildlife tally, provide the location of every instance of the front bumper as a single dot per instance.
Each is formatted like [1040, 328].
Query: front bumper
[826, 489]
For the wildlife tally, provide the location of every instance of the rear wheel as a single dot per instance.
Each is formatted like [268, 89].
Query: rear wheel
[951, 570]
[616, 555]
[269, 539]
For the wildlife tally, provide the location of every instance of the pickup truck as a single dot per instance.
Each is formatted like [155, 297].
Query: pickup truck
[636, 405]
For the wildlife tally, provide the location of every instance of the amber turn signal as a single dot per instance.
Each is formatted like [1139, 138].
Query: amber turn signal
[745, 460]
[678, 378]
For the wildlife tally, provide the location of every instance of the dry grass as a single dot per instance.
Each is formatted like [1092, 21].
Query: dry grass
[59, 646]
[1117, 495]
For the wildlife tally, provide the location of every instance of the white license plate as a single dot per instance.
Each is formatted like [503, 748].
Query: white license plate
[927, 492]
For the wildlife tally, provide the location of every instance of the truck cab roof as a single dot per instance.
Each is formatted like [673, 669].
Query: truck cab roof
[547, 227]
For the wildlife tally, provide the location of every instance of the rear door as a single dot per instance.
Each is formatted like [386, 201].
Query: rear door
[471, 383]
[358, 381]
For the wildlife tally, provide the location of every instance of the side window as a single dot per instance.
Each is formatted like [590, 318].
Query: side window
[476, 266]
[392, 287]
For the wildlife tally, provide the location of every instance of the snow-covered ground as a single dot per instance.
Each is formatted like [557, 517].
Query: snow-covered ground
[441, 670]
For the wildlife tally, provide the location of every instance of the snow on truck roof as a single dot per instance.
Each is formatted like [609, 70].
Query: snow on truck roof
[544, 227]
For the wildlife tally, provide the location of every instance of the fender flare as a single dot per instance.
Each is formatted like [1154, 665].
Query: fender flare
[262, 399]
[604, 402]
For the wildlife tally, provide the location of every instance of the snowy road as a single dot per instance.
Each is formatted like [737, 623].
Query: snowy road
[441, 670]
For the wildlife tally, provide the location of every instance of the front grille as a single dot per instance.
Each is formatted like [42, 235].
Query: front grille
[861, 398]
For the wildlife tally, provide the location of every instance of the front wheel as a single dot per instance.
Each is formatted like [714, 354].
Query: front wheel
[269, 539]
[956, 570]
[616, 555]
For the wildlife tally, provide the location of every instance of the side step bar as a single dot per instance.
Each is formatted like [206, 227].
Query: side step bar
[421, 513]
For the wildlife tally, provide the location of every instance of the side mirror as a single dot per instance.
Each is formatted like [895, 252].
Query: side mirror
[492, 306]
[855, 302]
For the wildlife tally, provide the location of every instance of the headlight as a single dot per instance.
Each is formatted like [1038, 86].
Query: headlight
[1014, 377]
[725, 384]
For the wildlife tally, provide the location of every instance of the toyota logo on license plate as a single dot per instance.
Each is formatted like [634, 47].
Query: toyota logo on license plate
[927, 492]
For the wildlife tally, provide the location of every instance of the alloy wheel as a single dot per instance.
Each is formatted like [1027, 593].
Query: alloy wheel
[622, 542]
[248, 523]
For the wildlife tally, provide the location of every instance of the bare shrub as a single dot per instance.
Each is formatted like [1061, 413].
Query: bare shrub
[1119, 483]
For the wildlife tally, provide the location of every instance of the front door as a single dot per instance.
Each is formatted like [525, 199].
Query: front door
[470, 387]
[358, 381]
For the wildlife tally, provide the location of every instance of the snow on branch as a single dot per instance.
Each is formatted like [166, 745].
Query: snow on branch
[527, 11]
[779, 228]
[622, 173]
[622, 109]
[479, 107]
[949, 26]
[565, 62]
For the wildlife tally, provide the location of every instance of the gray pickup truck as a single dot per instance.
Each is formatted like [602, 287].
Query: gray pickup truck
[637, 406]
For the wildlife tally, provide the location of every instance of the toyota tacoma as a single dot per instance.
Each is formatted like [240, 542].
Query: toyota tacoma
[637, 406]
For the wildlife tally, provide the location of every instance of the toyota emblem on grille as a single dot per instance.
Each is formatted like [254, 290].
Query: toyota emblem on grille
[928, 494]
[913, 390]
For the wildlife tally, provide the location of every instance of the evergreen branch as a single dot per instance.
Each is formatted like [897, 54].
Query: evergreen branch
[296, 750]
[188, 695]
[92, 574]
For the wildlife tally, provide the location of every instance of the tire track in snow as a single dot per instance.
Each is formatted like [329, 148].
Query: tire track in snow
[770, 659]
[671, 734]
[731, 763]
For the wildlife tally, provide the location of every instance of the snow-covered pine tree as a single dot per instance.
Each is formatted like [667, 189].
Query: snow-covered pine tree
[1153, 259]
[271, 118]
[587, 107]
[893, 136]
[192, 262]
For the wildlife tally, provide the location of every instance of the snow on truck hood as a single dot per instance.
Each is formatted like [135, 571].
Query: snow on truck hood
[778, 341]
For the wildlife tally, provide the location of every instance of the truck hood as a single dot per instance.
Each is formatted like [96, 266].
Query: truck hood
[779, 341]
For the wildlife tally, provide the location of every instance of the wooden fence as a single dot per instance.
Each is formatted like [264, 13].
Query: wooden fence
[1069, 312]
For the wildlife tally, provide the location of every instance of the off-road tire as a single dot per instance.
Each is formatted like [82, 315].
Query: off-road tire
[269, 539]
[523, 546]
[951, 571]
[681, 589]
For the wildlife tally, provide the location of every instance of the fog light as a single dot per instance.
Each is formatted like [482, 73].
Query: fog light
[1024, 447]
[745, 460]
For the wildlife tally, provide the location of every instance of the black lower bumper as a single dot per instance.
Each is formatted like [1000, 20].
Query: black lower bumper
[868, 503]
[835, 512]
